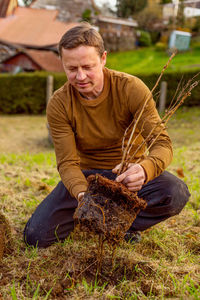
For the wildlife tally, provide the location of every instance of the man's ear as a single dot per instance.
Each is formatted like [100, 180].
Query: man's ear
[103, 58]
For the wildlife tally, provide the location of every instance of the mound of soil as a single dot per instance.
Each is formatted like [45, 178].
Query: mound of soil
[5, 236]
[108, 208]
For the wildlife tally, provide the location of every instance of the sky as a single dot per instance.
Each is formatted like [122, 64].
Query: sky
[111, 3]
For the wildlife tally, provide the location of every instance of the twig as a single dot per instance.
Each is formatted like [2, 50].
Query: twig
[151, 138]
[124, 155]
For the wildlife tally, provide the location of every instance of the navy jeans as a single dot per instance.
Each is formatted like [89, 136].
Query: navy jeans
[52, 220]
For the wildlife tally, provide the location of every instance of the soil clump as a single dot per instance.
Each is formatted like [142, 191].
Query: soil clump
[108, 209]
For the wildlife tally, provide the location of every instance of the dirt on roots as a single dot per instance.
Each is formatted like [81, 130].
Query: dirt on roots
[108, 208]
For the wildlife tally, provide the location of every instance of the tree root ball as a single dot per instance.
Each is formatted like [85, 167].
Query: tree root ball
[108, 208]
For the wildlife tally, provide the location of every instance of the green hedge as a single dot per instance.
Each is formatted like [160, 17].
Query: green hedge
[26, 92]
[173, 80]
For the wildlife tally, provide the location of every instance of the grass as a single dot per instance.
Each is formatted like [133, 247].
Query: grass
[164, 265]
[147, 61]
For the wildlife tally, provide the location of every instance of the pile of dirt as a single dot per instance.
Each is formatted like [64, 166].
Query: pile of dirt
[5, 236]
[108, 208]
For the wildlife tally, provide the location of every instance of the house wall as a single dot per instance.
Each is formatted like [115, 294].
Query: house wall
[117, 37]
[23, 61]
[69, 10]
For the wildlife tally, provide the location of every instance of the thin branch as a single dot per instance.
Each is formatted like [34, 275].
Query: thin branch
[124, 155]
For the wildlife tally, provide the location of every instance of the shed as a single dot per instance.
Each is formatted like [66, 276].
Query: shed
[180, 40]
[32, 60]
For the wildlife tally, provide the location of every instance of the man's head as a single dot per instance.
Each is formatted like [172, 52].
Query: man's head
[83, 56]
[82, 35]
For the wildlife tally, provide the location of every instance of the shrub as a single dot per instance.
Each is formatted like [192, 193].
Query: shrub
[26, 93]
[173, 79]
[160, 46]
[144, 39]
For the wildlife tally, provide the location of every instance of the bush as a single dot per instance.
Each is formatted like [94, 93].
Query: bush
[155, 36]
[26, 93]
[144, 39]
[160, 46]
[173, 79]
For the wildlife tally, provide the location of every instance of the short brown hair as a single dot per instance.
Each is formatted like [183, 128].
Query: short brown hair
[83, 34]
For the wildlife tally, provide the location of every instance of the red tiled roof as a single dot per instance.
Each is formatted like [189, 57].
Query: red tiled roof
[32, 27]
[46, 60]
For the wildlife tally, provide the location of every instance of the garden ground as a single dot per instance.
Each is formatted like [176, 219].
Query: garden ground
[164, 265]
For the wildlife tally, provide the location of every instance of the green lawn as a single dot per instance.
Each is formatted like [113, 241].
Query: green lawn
[164, 265]
[147, 60]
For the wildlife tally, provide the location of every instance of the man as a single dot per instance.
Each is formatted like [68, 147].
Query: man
[87, 118]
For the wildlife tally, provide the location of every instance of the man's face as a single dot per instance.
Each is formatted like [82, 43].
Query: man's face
[84, 69]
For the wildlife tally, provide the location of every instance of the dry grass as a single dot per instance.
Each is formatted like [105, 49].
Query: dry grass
[166, 264]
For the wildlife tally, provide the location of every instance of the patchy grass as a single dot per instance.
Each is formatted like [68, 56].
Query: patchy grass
[148, 60]
[165, 264]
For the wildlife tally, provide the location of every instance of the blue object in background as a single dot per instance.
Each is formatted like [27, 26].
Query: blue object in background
[180, 40]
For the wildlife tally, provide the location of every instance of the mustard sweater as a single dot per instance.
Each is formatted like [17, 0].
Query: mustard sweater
[87, 134]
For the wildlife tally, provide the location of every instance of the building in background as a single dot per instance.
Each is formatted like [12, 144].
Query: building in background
[118, 34]
[32, 60]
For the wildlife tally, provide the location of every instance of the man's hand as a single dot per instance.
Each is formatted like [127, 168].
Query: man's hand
[133, 178]
[80, 196]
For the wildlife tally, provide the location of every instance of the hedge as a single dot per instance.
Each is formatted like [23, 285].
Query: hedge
[173, 80]
[26, 92]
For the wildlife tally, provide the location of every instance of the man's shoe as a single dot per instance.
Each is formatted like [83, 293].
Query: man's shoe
[133, 237]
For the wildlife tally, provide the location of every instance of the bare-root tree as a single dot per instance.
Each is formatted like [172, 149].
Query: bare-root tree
[108, 208]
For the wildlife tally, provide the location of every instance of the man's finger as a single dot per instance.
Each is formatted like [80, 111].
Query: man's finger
[121, 177]
[116, 168]
[135, 189]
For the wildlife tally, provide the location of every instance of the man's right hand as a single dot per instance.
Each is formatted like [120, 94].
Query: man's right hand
[80, 196]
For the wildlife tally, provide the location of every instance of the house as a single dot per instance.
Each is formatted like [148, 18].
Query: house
[32, 60]
[191, 9]
[29, 28]
[118, 34]
[33, 28]
[40, 27]
[68, 10]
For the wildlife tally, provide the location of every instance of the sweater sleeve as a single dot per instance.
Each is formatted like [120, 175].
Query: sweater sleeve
[161, 153]
[68, 162]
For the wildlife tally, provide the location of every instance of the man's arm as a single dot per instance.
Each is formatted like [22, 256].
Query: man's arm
[160, 154]
[68, 162]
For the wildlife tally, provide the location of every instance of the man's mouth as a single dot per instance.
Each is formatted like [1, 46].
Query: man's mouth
[82, 84]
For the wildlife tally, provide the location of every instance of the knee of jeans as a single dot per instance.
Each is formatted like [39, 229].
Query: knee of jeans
[177, 197]
[33, 237]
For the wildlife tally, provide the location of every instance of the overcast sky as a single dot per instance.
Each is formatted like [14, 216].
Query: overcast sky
[112, 3]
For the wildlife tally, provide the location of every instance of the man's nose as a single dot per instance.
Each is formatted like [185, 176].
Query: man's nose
[80, 75]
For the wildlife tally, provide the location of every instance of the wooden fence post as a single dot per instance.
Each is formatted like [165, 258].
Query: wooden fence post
[49, 92]
[49, 87]
[163, 95]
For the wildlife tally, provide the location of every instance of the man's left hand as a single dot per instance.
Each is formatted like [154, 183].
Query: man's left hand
[133, 178]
